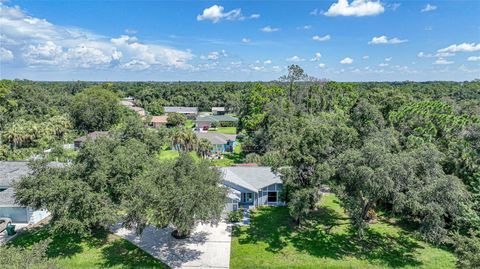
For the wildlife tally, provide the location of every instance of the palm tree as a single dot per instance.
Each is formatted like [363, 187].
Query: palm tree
[177, 139]
[204, 147]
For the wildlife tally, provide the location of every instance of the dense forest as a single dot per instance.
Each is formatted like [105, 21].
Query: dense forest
[409, 149]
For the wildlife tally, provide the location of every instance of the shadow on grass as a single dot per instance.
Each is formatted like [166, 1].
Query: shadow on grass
[327, 234]
[125, 254]
[114, 251]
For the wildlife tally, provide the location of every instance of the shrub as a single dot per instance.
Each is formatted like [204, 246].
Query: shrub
[253, 158]
[235, 216]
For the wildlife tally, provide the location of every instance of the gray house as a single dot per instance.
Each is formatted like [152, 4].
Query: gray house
[251, 186]
[205, 122]
[189, 112]
[11, 171]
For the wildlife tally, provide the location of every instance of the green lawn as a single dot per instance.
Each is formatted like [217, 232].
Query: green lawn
[103, 250]
[326, 241]
[224, 130]
[172, 154]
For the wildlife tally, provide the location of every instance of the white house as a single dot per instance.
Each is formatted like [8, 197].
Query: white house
[251, 186]
[11, 171]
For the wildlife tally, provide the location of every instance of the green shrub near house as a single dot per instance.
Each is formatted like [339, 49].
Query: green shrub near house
[235, 216]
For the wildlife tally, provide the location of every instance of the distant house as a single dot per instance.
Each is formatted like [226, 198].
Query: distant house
[129, 102]
[205, 122]
[158, 121]
[221, 142]
[189, 112]
[93, 135]
[218, 110]
[251, 186]
[10, 171]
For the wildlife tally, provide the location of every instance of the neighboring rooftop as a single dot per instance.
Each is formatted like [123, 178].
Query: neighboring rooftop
[216, 118]
[181, 109]
[216, 138]
[252, 178]
[92, 135]
[12, 170]
[7, 198]
[159, 119]
[218, 108]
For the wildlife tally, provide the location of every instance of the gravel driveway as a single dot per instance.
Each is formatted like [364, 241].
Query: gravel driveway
[208, 247]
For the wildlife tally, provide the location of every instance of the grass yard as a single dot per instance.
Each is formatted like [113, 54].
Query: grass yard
[326, 241]
[173, 154]
[103, 250]
[224, 130]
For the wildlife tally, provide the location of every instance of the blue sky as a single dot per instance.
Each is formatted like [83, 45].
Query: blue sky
[343, 40]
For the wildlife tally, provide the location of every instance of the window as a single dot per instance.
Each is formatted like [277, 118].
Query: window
[247, 197]
[272, 197]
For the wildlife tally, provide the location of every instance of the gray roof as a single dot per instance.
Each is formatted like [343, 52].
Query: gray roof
[218, 108]
[92, 135]
[216, 138]
[233, 194]
[180, 109]
[7, 198]
[216, 118]
[12, 170]
[250, 177]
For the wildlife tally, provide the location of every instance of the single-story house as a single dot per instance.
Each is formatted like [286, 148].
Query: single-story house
[93, 135]
[11, 171]
[205, 122]
[218, 110]
[221, 142]
[158, 121]
[189, 112]
[251, 186]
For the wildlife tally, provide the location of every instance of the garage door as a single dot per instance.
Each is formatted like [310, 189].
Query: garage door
[17, 214]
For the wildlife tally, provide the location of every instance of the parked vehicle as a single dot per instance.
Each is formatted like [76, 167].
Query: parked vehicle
[4, 222]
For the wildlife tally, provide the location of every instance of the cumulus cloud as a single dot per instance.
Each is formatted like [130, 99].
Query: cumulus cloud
[388, 59]
[347, 60]
[217, 13]
[379, 40]
[322, 65]
[246, 40]
[40, 43]
[295, 59]
[267, 62]
[365, 57]
[473, 58]
[357, 8]
[428, 8]
[321, 38]
[442, 61]
[214, 55]
[316, 57]
[5, 55]
[314, 12]
[269, 29]
[464, 47]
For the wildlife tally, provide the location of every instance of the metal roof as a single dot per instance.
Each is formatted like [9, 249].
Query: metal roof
[7, 198]
[216, 138]
[252, 178]
[216, 118]
[180, 109]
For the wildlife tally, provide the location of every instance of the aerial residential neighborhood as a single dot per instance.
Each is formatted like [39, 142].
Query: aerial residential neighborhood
[239, 134]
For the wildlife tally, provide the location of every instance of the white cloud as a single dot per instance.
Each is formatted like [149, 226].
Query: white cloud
[388, 59]
[314, 12]
[322, 65]
[246, 40]
[347, 61]
[428, 8]
[214, 55]
[394, 6]
[5, 55]
[385, 40]
[135, 65]
[269, 29]
[49, 46]
[295, 59]
[473, 58]
[316, 57]
[267, 62]
[464, 47]
[321, 38]
[383, 64]
[216, 13]
[130, 31]
[442, 61]
[305, 27]
[365, 57]
[357, 8]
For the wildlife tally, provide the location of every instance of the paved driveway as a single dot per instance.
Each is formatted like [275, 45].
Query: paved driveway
[4, 238]
[208, 247]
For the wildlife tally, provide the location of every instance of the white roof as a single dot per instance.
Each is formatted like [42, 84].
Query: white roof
[250, 177]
